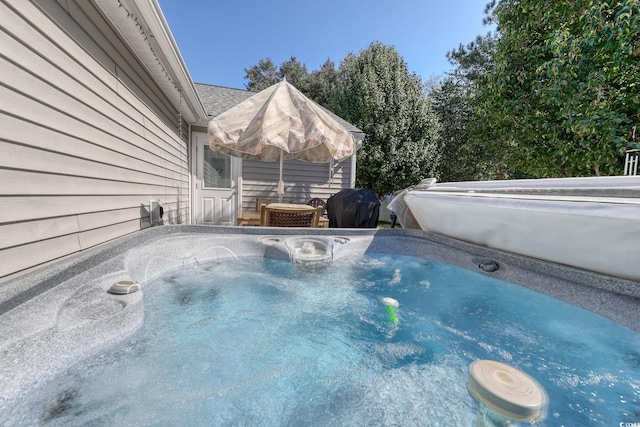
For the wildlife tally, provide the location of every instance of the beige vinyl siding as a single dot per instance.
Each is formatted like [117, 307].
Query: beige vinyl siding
[303, 180]
[82, 22]
[81, 150]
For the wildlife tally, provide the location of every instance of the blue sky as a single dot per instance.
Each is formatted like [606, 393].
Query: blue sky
[219, 39]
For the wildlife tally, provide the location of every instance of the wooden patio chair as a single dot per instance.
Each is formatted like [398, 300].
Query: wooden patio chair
[289, 217]
[318, 202]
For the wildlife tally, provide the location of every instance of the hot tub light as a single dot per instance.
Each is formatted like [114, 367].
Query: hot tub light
[507, 392]
[124, 287]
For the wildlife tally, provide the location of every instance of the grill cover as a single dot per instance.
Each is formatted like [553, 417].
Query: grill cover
[353, 208]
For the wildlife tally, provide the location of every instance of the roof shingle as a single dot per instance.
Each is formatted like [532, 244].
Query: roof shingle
[218, 99]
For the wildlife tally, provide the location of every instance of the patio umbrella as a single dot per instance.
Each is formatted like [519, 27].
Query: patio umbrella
[280, 123]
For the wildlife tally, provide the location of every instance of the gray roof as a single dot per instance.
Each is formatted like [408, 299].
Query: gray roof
[218, 99]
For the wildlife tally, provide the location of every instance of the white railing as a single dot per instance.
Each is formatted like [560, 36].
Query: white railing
[631, 162]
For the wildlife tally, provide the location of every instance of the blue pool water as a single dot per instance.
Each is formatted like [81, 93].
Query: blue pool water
[266, 342]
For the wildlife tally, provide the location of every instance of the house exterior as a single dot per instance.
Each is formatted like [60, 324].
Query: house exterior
[303, 180]
[98, 117]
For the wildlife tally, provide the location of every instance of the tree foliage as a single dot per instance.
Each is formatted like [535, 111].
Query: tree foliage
[266, 74]
[378, 94]
[295, 73]
[467, 153]
[323, 84]
[319, 85]
[564, 92]
[261, 76]
[375, 91]
[553, 92]
[452, 103]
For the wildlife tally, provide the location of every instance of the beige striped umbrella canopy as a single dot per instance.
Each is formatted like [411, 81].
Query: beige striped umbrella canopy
[280, 123]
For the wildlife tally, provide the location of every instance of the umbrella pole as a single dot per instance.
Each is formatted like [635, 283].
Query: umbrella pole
[281, 183]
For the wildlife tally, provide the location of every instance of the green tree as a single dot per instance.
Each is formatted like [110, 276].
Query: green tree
[266, 74]
[467, 152]
[261, 76]
[452, 103]
[295, 73]
[475, 60]
[377, 93]
[564, 93]
[323, 83]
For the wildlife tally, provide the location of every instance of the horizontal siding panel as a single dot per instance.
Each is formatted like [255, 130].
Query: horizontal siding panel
[25, 158]
[35, 89]
[289, 186]
[46, 38]
[16, 234]
[22, 257]
[26, 208]
[176, 211]
[99, 219]
[315, 172]
[76, 62]
[20, 209]
[105, 46]
[181, 218]
[28, 63]
[16, 182]
[21, 233]
[303, 176]
[97, 236]
[312, 176]
[302, 180]
[37, 137]
[32, 87]
[30, 110]
[19, 258]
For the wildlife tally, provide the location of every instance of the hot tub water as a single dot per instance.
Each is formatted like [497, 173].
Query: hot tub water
[268, 342]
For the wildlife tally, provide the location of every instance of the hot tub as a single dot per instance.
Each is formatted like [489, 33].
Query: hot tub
[64, 315]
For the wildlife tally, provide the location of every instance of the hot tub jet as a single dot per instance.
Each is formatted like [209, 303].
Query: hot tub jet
[309, 249]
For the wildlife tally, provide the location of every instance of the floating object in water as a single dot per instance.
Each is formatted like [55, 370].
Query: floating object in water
[390, 302]
[124, 287]
[390, 306]
[507, 391]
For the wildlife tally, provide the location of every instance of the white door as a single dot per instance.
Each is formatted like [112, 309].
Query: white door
[215, 185]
